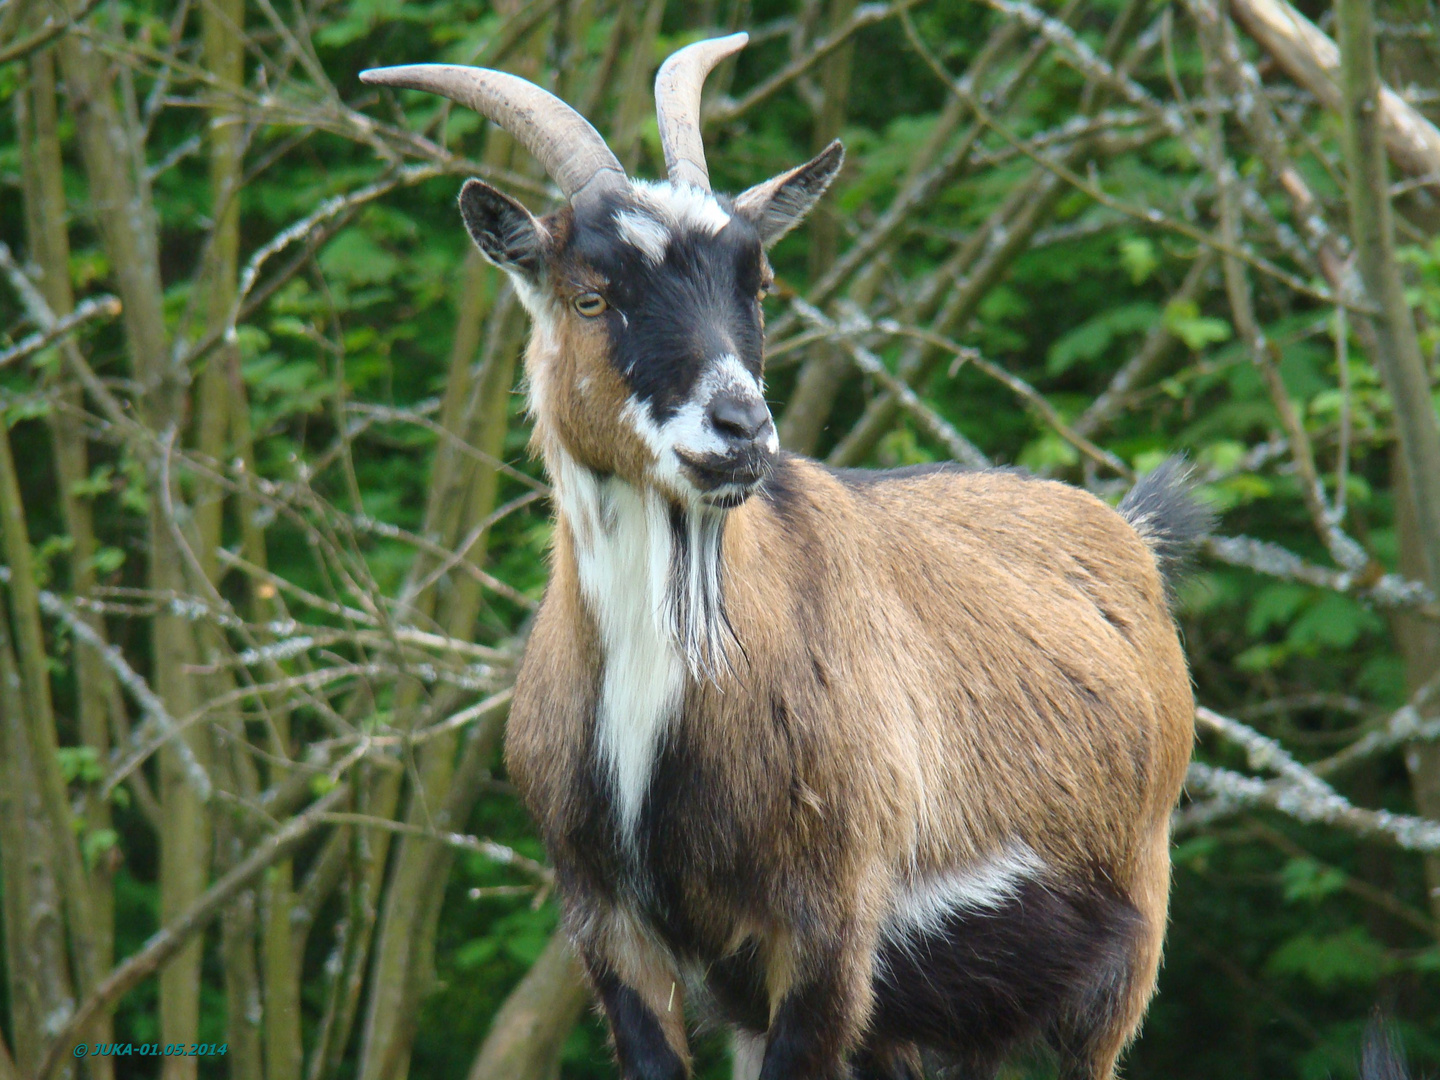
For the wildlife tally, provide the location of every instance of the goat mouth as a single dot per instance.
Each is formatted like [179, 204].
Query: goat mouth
[726, 481]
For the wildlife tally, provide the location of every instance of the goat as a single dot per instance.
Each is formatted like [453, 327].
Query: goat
[866, 762]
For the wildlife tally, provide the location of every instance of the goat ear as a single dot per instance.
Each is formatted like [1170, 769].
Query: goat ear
[777, 206]
[505, 232]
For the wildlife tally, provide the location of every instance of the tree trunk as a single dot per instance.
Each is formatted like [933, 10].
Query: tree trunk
[48, 237]
[820, 377]
[1400, 362]
[1032, 203]
[36, 967]
[1312, 60]
[1419, 641]
[128, 230]
[462, 494]
[529, 1030]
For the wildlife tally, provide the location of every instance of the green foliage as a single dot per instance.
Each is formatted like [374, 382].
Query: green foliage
[1274, 958]
[80, 763]
[1308, 880]
[1350, 956]
[1183, 319]
[1092, 338]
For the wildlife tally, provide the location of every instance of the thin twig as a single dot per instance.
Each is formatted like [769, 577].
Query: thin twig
[47, 33]
[863, 16]
[966, 355]
[1232, 792]
[99, 307]
[162, 946]
[499, 853]
[960, 448]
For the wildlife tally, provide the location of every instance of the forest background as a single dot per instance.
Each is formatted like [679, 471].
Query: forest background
[271, 538]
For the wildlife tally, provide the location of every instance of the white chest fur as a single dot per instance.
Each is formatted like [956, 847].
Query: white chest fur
[624, 555]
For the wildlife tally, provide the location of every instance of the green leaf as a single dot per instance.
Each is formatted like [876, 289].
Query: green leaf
[1137, 255]
[1306, 879]
[96, 843]
[107, 560]
[1223, 455]
[80, 763]
[901, 447]
[1275, 605]
[1196, 852]
[1183, 319]
[527, 945]
[1147, 461]
[1335, 622]
[97, 483]
[361, 16]
[354, 257]
[474, 954]
[1350, 956]
[1238, 490]
[1260, 658]
[1047, 452]
[1426, 960]
[1091, 338]
[320, 784]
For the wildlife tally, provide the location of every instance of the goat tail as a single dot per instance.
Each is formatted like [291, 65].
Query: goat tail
[1163, 509]
[1380, 1055]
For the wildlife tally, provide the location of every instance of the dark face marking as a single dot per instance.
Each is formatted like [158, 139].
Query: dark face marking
[668, 320]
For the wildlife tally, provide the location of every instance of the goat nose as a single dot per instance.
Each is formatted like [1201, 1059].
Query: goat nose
[738, 416]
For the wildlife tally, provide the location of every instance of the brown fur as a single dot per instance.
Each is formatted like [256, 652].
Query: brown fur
[583, 395]
[942, 714]
[961, 660]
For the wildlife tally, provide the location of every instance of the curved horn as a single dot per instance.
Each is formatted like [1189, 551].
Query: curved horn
[677, 106]
[562, 140]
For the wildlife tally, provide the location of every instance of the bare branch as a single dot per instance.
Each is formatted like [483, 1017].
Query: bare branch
[1312, 60]
[1233, 793]
[959, 447]
[1386, 590]
[460, 841]
[170, 939]
[156, 715]
[99, 307]
[863, 16]
[47, 33]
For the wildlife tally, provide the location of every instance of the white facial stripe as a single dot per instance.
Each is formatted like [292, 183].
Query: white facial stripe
[729, 373]
[682, 205]
[644, 233]
[689, 429]
[923, 907]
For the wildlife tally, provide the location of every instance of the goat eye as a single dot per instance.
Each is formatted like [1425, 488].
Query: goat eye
[590, 304]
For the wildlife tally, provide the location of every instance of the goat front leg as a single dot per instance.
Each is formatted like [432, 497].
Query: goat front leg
[821, 998]
[638, 985]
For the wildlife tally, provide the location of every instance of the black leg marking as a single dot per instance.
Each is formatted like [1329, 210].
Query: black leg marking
[640, 1043]
[1045, 965]
[801, 1044]
[737, 983]
[867, 1064]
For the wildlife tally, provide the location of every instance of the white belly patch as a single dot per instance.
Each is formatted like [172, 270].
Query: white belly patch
[923, 907]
